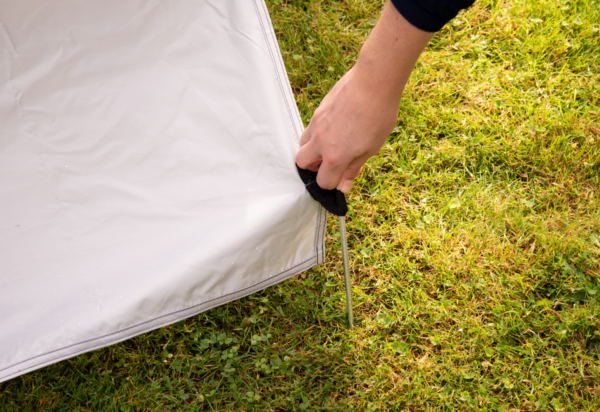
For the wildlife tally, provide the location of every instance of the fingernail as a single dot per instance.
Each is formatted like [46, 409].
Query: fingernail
[346, 186]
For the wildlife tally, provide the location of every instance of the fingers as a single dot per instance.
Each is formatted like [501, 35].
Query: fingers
[308, 157]
[330, 172]
[353, 170]
[334, 171]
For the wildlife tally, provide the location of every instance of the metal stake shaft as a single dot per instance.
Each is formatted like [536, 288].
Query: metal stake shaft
[346, 271]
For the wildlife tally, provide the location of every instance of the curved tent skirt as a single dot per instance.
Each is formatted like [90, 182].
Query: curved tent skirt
[146, 170]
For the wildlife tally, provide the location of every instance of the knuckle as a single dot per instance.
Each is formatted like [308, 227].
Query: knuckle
[318, 113]
[317, 135]
[333, 159]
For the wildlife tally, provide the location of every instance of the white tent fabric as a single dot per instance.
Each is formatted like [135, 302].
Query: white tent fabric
[146, 169]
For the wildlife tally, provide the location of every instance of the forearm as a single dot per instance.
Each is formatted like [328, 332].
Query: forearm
[356, 117]
[389, 55]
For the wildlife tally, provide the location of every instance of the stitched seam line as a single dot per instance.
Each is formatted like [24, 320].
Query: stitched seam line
[275, 64]
[318, 236]
[322, 235]
[270, 32]
[278, 64]
[156, 326]
[163, 316]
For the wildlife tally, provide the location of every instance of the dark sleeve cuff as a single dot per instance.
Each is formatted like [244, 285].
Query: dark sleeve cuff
[430, 15]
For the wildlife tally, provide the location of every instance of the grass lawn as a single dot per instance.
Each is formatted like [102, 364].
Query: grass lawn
[474, 238]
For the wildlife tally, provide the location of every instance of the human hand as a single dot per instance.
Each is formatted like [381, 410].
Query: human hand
[351, 125]
[356, 117]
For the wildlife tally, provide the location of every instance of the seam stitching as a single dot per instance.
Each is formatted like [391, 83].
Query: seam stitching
[163, 316]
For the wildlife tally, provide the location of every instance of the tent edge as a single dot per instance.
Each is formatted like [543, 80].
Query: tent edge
[58, 355]
[292, 108]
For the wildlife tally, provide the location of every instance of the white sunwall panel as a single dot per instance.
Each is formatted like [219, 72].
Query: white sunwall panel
[146, 170]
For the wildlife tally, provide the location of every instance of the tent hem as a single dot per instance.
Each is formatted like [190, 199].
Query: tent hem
[149, 325]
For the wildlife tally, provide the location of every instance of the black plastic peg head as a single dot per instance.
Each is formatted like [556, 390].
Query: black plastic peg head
[333, 200]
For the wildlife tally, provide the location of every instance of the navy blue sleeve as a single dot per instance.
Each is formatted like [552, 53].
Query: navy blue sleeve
[430, 15]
